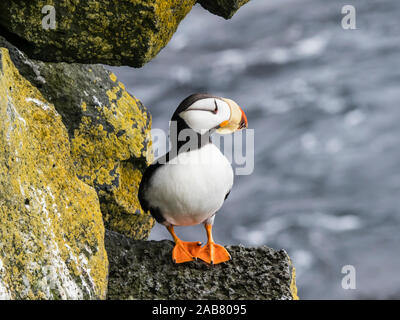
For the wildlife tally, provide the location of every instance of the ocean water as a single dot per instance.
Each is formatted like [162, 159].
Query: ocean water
[324, 104]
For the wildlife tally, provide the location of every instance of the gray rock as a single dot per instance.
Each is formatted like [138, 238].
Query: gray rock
[223, 8]
[144, 270]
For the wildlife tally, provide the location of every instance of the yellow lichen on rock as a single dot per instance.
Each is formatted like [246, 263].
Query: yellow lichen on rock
[51, 228]
[122, 211]
[293, 287]
[170, 13]
[103, 148]
[113, 77]
[124, 32]
[106, 126]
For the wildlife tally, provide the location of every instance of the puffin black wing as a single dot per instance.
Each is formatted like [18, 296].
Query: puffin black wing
[146, 206]
[226, 196]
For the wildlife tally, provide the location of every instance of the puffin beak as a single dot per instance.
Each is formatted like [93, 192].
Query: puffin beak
[243, 120]
[237, 121]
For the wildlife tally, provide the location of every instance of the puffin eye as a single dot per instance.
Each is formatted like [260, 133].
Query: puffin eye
[216, 107]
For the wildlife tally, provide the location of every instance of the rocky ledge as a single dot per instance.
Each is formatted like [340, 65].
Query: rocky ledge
[144, 270]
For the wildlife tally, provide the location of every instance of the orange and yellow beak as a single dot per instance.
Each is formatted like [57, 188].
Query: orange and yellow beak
[237, 121]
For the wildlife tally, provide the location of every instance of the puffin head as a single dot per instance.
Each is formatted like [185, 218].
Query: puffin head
[207, 113]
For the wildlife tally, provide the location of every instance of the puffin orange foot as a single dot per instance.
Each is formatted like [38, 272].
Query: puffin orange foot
[213, 253]
[185, 251]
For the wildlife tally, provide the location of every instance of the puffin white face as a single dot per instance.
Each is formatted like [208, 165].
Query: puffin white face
[221, 114]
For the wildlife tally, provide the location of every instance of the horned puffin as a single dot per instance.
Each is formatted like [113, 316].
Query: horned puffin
[189, 184]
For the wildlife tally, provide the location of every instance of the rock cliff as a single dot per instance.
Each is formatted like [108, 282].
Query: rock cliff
[74, 146]
[108, 130]
[51, 229]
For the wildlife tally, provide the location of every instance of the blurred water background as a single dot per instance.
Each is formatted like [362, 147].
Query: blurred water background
[325, 106]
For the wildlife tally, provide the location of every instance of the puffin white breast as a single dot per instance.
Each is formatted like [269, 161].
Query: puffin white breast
[192, 186]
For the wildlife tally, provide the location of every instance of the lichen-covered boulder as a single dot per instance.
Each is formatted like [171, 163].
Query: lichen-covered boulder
[144, 270]
[51, 229]
[223, 8]
[114, 32]
[110, 144]
[109, 131]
